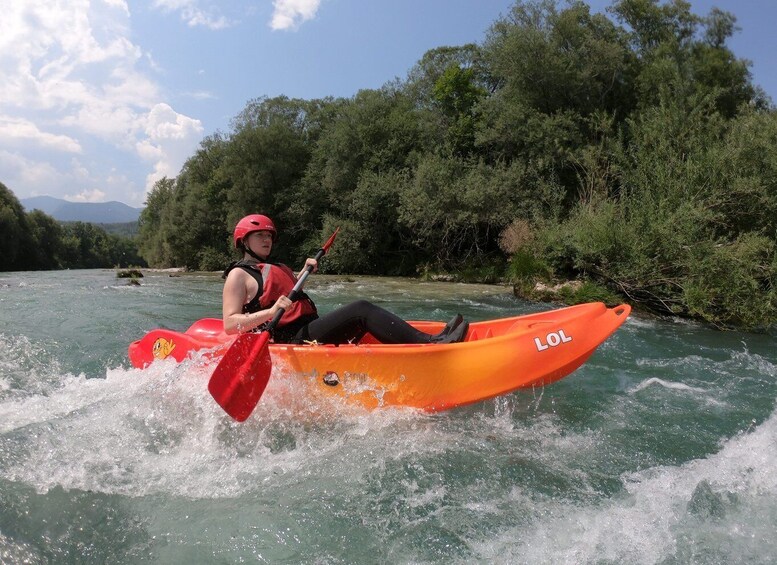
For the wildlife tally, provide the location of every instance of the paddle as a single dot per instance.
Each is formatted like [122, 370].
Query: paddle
[242, 374]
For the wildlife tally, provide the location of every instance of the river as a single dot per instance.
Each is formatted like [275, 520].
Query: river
[661, 449]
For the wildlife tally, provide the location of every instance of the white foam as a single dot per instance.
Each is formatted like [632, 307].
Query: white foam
[27, 368]
[666, 384]
[159, 431]
[648, 523]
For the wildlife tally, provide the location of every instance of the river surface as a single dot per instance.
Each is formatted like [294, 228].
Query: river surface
[661, 449]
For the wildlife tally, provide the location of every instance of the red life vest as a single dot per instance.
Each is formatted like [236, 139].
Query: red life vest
[275, 280]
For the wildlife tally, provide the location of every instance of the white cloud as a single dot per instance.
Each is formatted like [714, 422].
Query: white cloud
[118, 4]
[193, 14]
[289, 14]
[168, 143]
[75, 83]
[40, 177]
[20, 170]
[13, 130]
[94, 195]
[200, 95]
[80, 171]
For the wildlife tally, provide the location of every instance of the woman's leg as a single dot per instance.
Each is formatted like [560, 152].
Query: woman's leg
[349, 323]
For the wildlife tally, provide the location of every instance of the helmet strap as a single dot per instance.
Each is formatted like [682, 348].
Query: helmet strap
[251, 253]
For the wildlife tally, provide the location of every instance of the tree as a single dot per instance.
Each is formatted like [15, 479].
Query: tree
[632, 151]
[356, 164]
[266, 159]
[554, 61]
[423, 77]
[456, 95]
[15, 240]
[200, 237]
[156, 224]
[47, 235]
[686, 54]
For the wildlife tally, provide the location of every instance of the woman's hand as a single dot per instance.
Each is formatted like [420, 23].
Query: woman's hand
[308, 262]
[282, 302]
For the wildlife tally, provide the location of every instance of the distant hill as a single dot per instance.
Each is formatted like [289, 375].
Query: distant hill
[92, 212]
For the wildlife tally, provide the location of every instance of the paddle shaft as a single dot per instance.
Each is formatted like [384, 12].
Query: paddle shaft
[295, 292]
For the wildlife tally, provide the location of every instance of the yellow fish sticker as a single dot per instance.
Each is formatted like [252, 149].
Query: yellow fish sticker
[162, 348]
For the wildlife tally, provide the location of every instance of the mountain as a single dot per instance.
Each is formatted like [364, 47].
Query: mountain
[94, 212]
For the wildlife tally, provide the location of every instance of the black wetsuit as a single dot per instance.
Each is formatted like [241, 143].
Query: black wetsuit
[349, 323]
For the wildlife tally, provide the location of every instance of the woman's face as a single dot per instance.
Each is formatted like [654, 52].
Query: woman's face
[260, 242]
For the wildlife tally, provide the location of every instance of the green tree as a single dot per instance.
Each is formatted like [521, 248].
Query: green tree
[264, 161]
[15, 241]
[561, 75]
[356, 164]
[200, 238]
[375, 131]
[632, 151]
[456, 95]
[47, 235]
[554, 61]
[686, 54]
[373, 241]
[424, 75]
[156, 224]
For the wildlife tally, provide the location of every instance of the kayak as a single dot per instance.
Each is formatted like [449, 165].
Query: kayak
[496, 357]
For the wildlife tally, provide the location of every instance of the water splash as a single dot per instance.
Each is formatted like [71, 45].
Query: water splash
[721, 508]
[666, 384]
[26, 368]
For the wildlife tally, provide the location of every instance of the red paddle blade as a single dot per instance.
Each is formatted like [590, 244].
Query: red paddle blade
[242, 374]
[330, 241]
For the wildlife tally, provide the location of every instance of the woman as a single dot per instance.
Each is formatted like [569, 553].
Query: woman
[255, 289]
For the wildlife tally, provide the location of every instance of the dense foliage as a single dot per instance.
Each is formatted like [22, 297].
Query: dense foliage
[630, 151]
[36, 241]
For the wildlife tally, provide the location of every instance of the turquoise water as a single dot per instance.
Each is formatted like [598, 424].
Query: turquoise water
[662, 448]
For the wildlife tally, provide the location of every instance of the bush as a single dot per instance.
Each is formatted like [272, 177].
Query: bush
[210, 259]
[734, 284]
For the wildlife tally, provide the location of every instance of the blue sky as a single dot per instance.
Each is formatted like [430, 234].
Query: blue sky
[101, 98]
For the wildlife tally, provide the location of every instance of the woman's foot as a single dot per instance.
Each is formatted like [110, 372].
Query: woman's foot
[456, 335]
[452, 325]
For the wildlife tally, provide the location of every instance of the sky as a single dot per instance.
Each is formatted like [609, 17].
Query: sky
[99, 99]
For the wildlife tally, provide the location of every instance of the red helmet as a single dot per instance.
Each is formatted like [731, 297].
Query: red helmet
[252, 223]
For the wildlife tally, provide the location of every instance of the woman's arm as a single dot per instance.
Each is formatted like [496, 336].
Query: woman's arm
[234, 296]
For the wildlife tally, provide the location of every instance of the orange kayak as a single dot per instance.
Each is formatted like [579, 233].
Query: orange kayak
[497, 357]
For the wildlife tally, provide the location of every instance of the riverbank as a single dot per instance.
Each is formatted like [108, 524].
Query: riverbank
[568, 293]
[558, 293]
